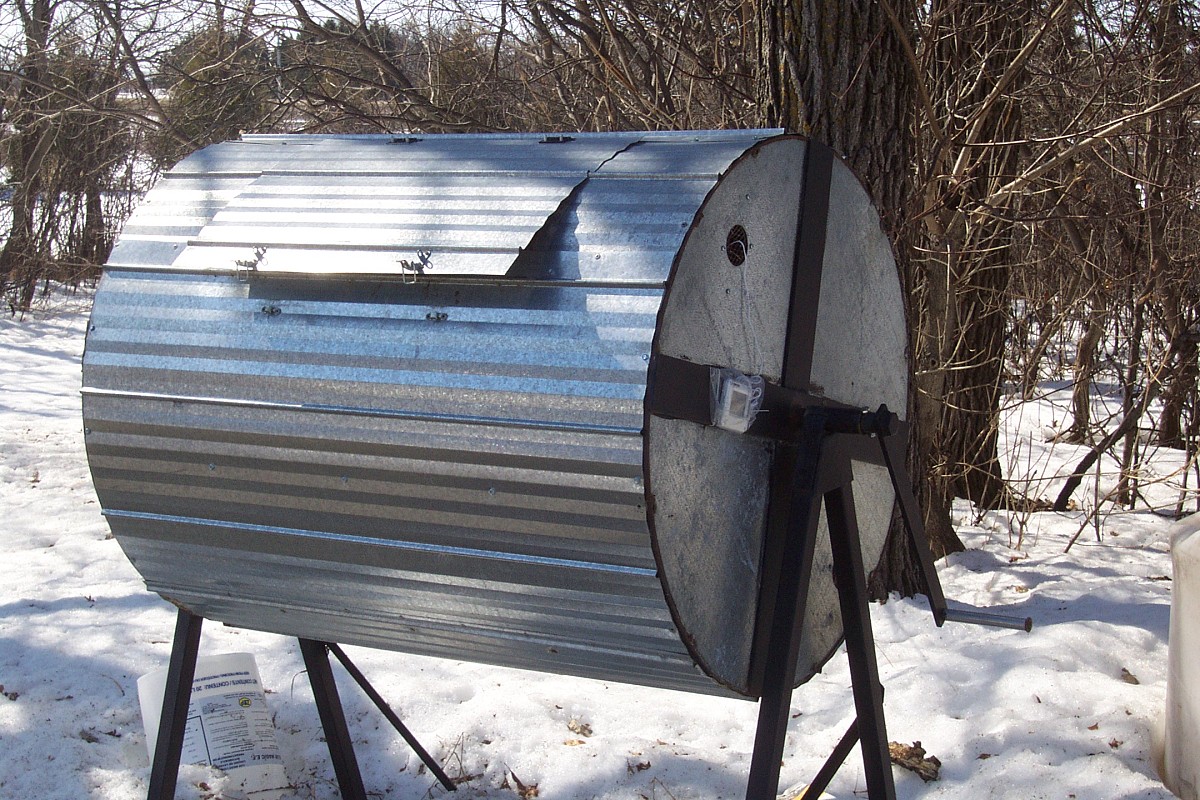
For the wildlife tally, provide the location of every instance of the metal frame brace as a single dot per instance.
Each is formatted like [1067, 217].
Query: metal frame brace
[821, 472]
[827, 439]
[164, 772]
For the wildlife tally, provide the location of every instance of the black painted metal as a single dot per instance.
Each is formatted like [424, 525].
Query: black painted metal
[333, 720]
[841, 752]
[850, 577]
[892, 447]
[787, 612]
[822, 471]
[168, 748]
[794, 505]
[808, 263]
[679, 389]
[392, 717]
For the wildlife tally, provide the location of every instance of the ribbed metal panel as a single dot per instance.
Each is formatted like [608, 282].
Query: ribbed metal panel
[520, 154]
[348, 465]
[438, 206]
[447, 463]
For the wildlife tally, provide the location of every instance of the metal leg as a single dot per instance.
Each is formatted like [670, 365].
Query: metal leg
[168, 748]
[822, 468]
[787, 615]
[851, 580]
[893, 457]
[892, 448]
[832, 764]
[393, 718]
[333, 719]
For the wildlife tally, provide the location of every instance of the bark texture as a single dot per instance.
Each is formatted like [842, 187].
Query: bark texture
[838, 72]
[33, 136]
[973, 48]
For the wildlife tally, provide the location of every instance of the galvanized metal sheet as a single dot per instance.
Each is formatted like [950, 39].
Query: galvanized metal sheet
[440, 224]
[518, 154]
[437, 206]
[451, 470]
[624, 230]
[708, 487]
[170, 216]
[448, 460]
[703, 156]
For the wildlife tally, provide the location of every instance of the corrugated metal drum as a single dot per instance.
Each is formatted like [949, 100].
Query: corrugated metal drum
[391, 391]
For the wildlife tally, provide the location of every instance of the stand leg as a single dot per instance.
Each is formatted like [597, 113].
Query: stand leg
[832, 764]
[850, 577]
[333, 719]
[787, 615]
[893, 457]
[168, 748]
[822, 468]
[393, 718]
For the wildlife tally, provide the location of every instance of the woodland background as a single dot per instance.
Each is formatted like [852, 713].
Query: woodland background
[1036, 162]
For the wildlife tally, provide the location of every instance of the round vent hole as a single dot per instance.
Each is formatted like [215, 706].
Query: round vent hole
[737, 245]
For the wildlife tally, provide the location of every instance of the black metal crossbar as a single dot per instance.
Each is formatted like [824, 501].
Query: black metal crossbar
[392, 717]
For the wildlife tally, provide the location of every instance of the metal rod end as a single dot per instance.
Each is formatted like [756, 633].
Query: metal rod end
[990, 620]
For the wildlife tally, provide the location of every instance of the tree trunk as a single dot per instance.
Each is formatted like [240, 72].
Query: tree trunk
[1173, 282]
[1132, 393]
[20, 260]
[94, 244]
[1165, 131]
[972, 400]
[838, 72]
[1179, 394]
[1084, 369]
[835, 70]
[972, 48]
[932, 313]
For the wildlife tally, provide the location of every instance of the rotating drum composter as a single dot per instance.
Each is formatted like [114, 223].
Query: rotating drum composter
[392, 391]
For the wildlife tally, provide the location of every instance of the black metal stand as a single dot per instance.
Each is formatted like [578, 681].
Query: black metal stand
[333, 720]
[816, 439]
[822, 472]
[168, 750]
[392, 717]
[178, 692]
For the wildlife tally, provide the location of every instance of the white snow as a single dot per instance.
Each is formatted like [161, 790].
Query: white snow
[1050, 714]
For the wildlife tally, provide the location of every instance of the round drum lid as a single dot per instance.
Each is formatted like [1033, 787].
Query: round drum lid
[727, 305]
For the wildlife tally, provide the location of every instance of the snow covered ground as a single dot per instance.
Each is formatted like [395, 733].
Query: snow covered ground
[1062, 712]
